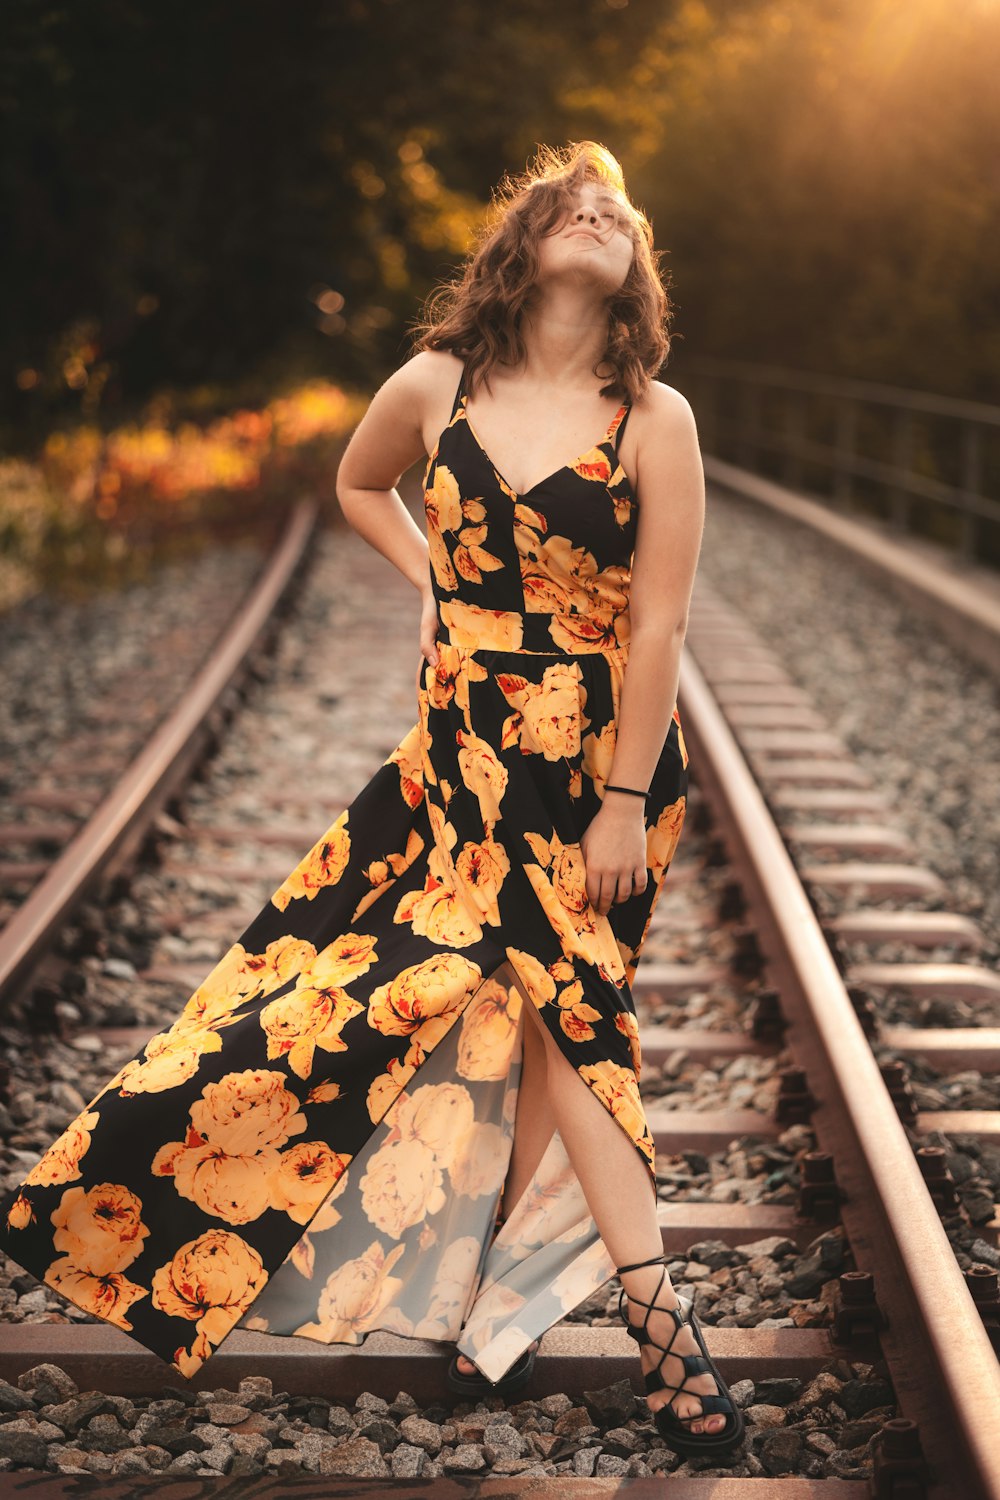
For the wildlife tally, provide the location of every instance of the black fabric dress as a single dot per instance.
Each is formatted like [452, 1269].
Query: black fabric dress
[317, 1144]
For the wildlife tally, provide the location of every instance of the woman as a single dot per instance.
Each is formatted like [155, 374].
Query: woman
[320, 1143]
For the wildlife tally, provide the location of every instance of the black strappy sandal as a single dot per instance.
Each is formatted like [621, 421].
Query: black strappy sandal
[672, 1427]
[471, 1387]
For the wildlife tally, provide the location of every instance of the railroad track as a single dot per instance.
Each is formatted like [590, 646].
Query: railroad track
[117, 826]
[904, 1306]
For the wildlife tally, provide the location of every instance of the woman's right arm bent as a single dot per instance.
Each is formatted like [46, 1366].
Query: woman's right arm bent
[387, 441]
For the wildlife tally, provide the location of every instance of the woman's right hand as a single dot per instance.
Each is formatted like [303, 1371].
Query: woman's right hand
[428, 634]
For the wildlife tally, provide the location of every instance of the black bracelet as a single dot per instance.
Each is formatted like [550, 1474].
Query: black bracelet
[633, 790]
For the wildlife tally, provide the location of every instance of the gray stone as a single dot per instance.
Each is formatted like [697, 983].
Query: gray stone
[368, 1402]
[466, 1459]
[407, 1461]
[24, 1448]
[73, 1414]
[12, 1399]
[621, 1440]
[612, 1403]
[244, 1466]
[743, 1392]
[422, 1434]
[859, 1396]
[358, 1457]
[778, 1390]
[779, 1450]
[766, 1416]
[255, 1391]
[340, 1421]
[502, 1440]
[610, 1465]
[227, 1414]
[48, 1384]
[775, 1247]
[381, 1431]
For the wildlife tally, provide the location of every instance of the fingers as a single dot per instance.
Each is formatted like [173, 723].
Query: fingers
[606, 888]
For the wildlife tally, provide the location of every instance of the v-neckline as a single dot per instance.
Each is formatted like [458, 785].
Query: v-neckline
[522, 494]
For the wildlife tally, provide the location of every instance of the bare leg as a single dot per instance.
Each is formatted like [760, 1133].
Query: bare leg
[534, 1123]
[619, 1193]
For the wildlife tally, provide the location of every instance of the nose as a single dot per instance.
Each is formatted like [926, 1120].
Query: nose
[586, 215]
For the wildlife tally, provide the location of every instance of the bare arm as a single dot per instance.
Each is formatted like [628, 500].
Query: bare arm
[386, 442]
[668, 542]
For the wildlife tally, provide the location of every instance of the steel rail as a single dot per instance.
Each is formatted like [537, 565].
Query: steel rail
[122, 819]
[938, 1351]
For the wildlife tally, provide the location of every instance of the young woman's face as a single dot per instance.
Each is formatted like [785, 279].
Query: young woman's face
[590, 241]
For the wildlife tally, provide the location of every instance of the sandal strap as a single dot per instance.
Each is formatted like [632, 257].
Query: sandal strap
[694, 1364]
[654, 1260]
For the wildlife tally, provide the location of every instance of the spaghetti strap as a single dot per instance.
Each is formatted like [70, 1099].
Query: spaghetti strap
[617, 425]
[459, 393]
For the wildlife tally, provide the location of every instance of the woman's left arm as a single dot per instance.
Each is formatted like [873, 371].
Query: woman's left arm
[668, 542]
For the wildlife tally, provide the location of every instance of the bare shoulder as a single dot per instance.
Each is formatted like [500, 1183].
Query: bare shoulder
[667, 452]
[428, 374]
[664, 408]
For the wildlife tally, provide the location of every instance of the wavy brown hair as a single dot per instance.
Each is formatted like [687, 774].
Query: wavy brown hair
[478, 315]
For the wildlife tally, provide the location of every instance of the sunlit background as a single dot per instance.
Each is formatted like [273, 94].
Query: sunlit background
[221, 221]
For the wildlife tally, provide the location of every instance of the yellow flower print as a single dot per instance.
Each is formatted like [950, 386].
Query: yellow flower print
[107, 1296]
[680, 737]
[101, 1230]
[402, 1185]
[479, 1165]
[316, 1011]
[21, 1214]
[61, 1162]
[538, 982]
[322, 866]
[629, 1026]
[382, 873]
[471, 557]
[408, 759]
[559, 879]
[483, 773]
[168, 1060]
[225, 1161]
[549, 714]
[482, 869]
[584, 632]
[441, 566]
[595, 465]
[429, 994]
[481, 629]
[662, 838]
[618, 1090]
[576, 1013]
[303, 1177]
[443, 501]
[439, 1116]
[598, 755]
[353, 1299]
[211, 1281]
[441, 911]
[489, 1030]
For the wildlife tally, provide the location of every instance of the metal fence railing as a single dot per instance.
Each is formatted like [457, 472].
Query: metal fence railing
[927, 464]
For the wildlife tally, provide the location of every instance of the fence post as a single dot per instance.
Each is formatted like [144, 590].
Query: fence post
[844, 451]
[794, 433]
[902, 467]
[972, 488]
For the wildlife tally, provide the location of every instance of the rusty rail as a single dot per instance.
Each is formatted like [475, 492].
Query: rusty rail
[944, 1368]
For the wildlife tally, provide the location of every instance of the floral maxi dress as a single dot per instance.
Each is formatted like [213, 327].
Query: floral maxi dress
[317, 1144]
